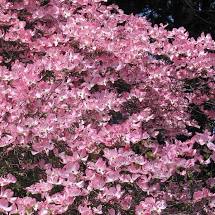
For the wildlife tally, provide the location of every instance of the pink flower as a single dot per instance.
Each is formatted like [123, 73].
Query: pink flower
[143, 183]
[72, 168]
[4, 205]
[98, 210]
[85, 210]
[140, 211]
[126, 202]
[40, 187]
[112, 193]
[73, 190]
[60, 199]
[99, 166]
[212, 203]
[43, 145]
[149, 205]
[23, 204]
[112, 176]
[7, 200]
[7, 180]
[203, 138]
[110, 154]
[97, 182]
[111, 211]
[7, 193]
[198, 195]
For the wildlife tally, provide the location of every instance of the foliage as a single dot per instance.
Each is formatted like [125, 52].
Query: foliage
[101, 112]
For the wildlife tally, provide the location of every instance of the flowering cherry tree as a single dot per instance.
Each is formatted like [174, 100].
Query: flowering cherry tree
[101, 113]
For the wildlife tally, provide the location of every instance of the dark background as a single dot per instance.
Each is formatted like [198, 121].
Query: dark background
[196, 16]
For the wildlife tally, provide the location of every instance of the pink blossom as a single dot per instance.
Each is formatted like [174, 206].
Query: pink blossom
[149, 205]
[203, 138]
[212, 203]
[126, 202]
[112, 176]
[40, 187]
[42, 145]
[198, 195]
[23, 204]
[112, 193]
[97, 182]
[85, 210]
[98, 210]
[7, 193]
[72, 168]
[60, 199]
[7, 180]
[99, 166]
[4, 205]
[211, 146]
[111, 211]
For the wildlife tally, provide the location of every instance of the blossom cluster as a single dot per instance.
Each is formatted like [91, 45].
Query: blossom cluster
[93, 103]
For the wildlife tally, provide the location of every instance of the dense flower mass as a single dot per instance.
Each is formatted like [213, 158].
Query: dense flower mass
[101, 113]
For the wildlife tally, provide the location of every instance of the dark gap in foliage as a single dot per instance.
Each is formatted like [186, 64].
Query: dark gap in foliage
[182, 137]
[56, 189]
[14, 1]
[92, 197]
[47, 75]
[93, 157]
[171, 40]
[137, 148]
[11, 163]
[82, 167]
[210, 105]
[30, 25]
[193, 130]
[187, 157]
[161, 57]
[204, 174]
[5, 28]
[199, 83]
[113, 10]
[22, 15]
[55, 161]
[131, 106]
[121, 23]
[161, 137]
[96, 88]
[73, 208]
[152, 40]
[12, 51]
[116, 117]
[38, 34]
[26, 179]
[185, 208]
[121, 86]
[176, 178]
[137, 193]
[202, 150]
[140, 149]
[212, 51]
[62, 146]
[198, 115]
[43, 2]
